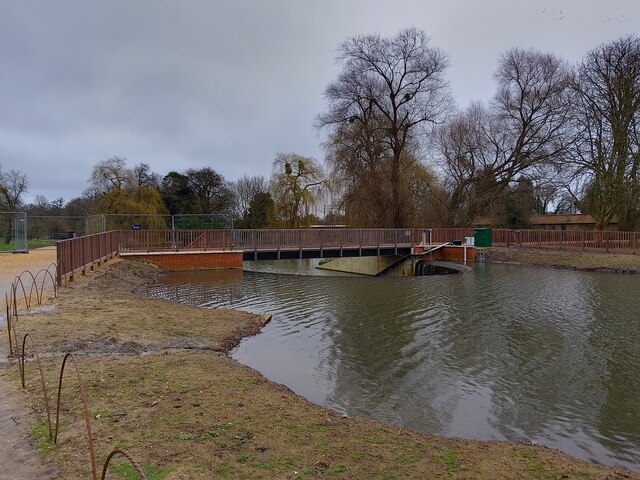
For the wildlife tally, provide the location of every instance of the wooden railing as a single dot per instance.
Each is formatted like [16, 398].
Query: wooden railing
[586, 240]
[80, 253]
[323, 238]
[266, 238]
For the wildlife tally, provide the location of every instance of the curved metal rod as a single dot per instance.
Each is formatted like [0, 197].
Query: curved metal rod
[128, 456]
[83, 396]
[14, 316]
[24, 293]
[33, 284]
[21, 362]
[44, 272]
[6, 300]
[13, 304]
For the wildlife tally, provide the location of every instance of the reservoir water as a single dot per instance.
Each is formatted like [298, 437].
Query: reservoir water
[504, 352]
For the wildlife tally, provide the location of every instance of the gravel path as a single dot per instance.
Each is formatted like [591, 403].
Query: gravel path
[13, 264]
[19, 459]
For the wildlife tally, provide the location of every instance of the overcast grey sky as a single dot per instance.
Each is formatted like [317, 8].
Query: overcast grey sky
[227, 84]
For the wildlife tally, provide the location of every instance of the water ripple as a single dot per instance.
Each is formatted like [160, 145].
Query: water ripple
[505, 352]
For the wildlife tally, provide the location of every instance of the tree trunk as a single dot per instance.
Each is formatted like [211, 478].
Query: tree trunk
[396, 203]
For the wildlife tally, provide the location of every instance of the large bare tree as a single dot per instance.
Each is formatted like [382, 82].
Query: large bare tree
[523, 132]
[531, 111]
[388, 91]
[607, 155]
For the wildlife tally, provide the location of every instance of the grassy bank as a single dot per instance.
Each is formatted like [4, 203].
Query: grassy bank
[159, 384]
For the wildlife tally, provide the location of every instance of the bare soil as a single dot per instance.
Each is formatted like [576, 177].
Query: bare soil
[159, 384]
[13, 264]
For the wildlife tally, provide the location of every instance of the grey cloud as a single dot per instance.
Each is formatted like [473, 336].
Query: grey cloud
[229, 84]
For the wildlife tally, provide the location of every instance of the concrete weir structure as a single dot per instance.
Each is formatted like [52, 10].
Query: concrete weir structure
[369, 266]
[423, 260]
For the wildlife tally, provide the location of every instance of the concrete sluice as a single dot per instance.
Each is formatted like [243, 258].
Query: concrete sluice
[424, 268]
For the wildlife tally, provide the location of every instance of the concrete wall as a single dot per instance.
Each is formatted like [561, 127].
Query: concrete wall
[360, 265]
[374, 265]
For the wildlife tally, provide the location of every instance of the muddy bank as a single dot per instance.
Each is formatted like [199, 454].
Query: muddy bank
[18, 455]
[159, 384]
[578, 260]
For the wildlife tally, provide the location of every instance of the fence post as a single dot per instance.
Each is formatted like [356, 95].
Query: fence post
[59, 265]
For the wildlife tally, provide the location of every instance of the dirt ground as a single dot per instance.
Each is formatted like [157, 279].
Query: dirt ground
[603, 262]
[19, 458]
[159, 384]
[13, 264]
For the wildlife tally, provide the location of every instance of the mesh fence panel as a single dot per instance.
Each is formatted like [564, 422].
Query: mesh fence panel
[134, 221]
[47, 227]
[13, 226]
[202, 222]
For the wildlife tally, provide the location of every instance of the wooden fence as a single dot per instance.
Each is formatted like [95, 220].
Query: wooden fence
[78, 254]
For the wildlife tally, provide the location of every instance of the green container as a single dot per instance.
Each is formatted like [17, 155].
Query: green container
[482, 237]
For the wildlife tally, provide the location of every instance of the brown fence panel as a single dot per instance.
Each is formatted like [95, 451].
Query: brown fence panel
[443, 235]
[322, 238]
[586, 240]
[76, 254]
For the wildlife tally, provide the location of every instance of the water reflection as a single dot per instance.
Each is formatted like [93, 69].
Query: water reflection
[505, 352]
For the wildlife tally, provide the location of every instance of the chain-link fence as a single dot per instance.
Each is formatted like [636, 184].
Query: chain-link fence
[133, 221]
[127, 221]
[13, 226]
[43, 228]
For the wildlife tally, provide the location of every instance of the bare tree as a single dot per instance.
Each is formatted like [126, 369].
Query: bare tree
[532, 112]
[145, 178]
[389, 90]
[524, 130]
[245, 190]
[13, 185]
[607, 157]
[464, 153]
